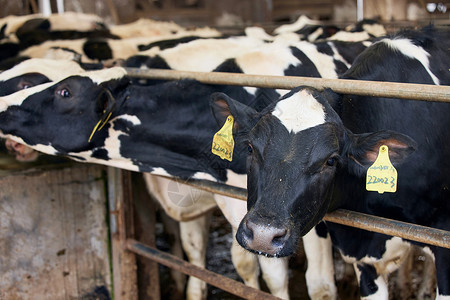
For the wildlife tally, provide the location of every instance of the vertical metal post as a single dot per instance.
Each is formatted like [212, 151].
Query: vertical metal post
[359, 10]
[45, 7]
[121, 222]
[60, 6]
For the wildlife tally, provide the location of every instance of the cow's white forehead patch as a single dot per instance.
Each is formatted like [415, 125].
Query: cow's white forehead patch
[407, 48]
[104, 75]
[299, 112]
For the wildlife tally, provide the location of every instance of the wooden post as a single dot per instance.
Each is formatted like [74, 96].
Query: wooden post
[121, 226]
[145, 220]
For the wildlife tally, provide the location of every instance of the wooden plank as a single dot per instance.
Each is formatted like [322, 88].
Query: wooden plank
[53, 234]
[121, 220]
[145, 220]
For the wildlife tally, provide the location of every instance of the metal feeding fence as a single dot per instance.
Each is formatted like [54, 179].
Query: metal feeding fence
[121, 216]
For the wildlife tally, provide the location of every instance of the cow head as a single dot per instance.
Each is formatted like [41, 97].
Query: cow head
[35, 71]
[58, 118]
[296, 147]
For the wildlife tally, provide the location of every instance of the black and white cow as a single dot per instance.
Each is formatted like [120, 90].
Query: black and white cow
[309, 152]
[153, 104]
[313, 30]
[244, 55]
[34, 72]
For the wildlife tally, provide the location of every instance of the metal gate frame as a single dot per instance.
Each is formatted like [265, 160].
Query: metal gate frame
[124, 246]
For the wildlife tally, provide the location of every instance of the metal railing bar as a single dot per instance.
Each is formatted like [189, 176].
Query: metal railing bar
[409, 231]
[411, 91]
[413, 232]
[227, 284]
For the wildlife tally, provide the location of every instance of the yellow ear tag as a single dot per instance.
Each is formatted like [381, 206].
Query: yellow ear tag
[100, 123]
[382, 176]
[223, 142]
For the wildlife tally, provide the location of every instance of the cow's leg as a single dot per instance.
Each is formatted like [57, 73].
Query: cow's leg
[442, 260]
[245, 263]
[320, 272]
[194, 237]
[371, 284]
[278, 281]
[427, 287]
[172, 228]
[372, 275]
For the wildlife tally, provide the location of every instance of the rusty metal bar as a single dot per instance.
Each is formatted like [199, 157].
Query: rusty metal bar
[424, 92]
[173, 262]
[413, 232]
[404, 230]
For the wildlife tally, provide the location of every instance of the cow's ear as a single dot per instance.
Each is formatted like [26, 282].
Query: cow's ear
[364, 148]
[334, 99]
[222, 106]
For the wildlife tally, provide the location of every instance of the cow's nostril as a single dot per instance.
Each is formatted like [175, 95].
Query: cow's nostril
[280, 236]
[247, 231]
[263, 238]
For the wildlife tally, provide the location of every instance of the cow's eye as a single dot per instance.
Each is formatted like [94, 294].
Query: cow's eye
[250, 149]
[332, 161]
[24, 85]
[65, 93]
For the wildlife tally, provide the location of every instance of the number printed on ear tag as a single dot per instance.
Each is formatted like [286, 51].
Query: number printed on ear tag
[382, 176]
[223, 142]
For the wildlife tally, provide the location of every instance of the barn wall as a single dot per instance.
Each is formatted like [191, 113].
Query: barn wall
[54, 235]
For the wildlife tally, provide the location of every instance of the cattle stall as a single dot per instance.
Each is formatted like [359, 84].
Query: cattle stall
[75, 195]
[390, 227]
[121, 191]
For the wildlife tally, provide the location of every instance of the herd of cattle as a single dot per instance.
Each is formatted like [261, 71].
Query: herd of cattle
[300, 153]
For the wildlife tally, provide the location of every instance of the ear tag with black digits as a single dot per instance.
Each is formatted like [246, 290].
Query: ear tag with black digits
[223, 142]
[382, 176]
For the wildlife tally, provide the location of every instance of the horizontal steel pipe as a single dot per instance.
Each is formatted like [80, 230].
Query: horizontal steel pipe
[173, 262]
[413, 232]
[424, 92]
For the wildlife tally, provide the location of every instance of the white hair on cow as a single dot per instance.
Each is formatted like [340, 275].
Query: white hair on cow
[64, 21]
[74, 21]
[55, 70]
[206, 54]
[48, 149]
[41, 50]
[299, 112]
[301, 22]
[409, 49]
[145, 27]
[100, 76]
[267, 59]
[18, 97]
[376, 30]
[323, 62]
[337, 56]
[258, 33]
[113, 146]
[14, 22]
[350, 36]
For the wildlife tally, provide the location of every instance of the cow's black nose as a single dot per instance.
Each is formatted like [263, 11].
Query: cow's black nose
[266, 238]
